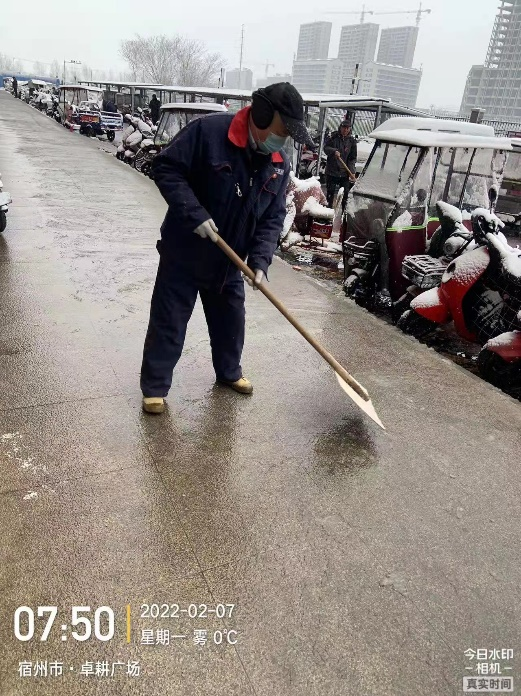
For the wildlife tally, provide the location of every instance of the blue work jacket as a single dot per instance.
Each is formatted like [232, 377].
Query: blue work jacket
[209, 171]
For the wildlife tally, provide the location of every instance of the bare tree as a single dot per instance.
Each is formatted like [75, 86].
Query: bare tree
[40, 69]
[55, 69]
[10, 65]
[171, 60]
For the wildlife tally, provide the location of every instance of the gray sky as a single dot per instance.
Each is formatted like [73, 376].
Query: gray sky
[452, 38]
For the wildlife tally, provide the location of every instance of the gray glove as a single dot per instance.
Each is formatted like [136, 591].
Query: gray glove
[260, 277]
[207, 229]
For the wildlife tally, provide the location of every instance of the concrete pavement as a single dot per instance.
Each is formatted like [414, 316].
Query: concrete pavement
[359, 562]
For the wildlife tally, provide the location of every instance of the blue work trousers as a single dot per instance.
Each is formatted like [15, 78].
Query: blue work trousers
[173, 300]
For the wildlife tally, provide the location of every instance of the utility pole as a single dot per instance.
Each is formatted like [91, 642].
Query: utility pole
[240, 60]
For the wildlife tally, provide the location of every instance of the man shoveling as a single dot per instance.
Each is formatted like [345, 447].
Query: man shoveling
[228, 174]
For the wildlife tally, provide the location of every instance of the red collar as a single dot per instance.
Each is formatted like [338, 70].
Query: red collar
[239, 129]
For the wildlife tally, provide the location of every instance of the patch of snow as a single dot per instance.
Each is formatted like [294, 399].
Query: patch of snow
[489, 217]
[405, 220]
[32, 495]
[450, 211]
[316, 209]
[304, 184]
[291, 239]
[9, 436]
[510, 256]
[469, 267]
[504, 339]
[427, 299]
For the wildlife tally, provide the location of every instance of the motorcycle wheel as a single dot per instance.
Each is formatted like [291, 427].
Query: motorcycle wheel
[413, 324]
[351, 284]
[505, 376]
[3, 221]
[111, 135]
[400, 307]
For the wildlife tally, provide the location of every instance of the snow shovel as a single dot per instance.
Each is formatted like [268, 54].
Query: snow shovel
[352, 388]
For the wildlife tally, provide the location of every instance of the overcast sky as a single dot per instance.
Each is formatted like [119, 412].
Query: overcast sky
[452, 38]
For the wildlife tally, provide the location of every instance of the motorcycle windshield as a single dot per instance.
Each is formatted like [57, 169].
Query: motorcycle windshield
[386, 186]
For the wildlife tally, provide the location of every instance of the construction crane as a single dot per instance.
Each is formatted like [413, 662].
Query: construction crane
[268, 66]
[364, 12]
[361, 13]
[418, 13]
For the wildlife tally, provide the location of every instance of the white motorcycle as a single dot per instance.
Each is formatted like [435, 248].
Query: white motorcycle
[136, 132]
[5, 199]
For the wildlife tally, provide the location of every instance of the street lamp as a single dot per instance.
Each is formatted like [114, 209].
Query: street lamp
[69, 62]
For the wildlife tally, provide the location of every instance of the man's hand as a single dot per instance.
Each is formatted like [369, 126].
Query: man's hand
[207, 229]
[337, 154]
[259, 279]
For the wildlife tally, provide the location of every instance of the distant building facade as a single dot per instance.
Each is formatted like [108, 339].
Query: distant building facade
[237, 79]
[313, 41]
[496, 85]
[401, 85]
[397, 46]
[358, 44]
[318, 76]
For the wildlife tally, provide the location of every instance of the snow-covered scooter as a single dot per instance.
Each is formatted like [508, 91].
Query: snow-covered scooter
[5, 199]
[480, 290]
[425, 271]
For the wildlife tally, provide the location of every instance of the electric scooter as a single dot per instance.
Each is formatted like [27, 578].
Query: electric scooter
[480, 290]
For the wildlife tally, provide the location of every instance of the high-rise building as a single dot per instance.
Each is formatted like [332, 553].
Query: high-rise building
[400, 85]
[397, 46]
[318, 76]
[496, 85]
[358, 44]
[313, 41]
[237, 79]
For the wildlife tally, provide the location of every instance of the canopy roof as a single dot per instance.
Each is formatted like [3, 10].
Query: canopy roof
[422, 138]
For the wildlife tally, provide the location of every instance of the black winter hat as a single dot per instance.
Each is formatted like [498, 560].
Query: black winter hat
[285, 99]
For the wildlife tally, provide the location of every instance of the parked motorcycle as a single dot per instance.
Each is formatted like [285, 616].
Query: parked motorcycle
[425, 271]
[309, 165]
[5, 199]
[480, 290]
[136, 132]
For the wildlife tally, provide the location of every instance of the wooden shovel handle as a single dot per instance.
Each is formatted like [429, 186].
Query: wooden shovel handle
[337, 367]
[346, 168]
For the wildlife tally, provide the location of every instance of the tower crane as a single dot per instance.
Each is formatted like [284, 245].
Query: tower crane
[269, 65]
[364, 12]
[418, 13]
[361, 13]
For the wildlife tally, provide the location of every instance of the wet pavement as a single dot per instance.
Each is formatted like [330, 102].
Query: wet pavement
[360, 562]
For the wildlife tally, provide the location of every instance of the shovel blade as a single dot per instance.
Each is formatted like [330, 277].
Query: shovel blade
[366, 406]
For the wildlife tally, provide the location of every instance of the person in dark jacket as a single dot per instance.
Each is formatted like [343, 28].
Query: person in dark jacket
[154, 106]
[226, 174]
[341, 145]
[15, 87]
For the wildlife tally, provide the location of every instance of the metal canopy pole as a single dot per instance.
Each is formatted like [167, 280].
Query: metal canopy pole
[321, 130]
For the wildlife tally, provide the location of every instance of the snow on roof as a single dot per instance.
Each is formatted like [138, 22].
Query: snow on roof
[193, 106]
[421, 138]
[91, 89]
[435, 125]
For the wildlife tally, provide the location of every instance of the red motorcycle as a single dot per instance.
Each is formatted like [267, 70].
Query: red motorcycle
[480, 292]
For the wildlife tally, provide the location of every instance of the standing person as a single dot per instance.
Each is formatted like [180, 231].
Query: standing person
[154, 106]
[15, 87]
[226, 174]
[341, 145]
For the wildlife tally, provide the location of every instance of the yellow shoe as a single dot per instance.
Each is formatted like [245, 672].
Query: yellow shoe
[153, 404]
[242, 385]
